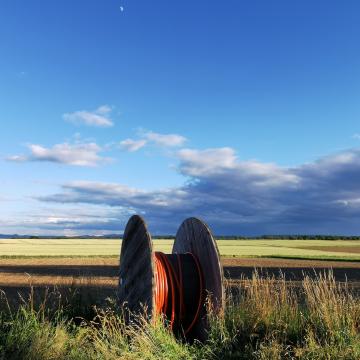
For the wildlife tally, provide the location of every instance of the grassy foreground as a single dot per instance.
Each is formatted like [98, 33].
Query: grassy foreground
[300, 249]
[265, 318]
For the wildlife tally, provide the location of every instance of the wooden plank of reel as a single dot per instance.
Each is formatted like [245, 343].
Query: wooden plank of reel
[192, 276]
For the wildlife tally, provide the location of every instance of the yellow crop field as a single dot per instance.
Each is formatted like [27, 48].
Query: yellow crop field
[316, 249]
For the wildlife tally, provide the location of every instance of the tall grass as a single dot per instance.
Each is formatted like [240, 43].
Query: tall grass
[265, 318]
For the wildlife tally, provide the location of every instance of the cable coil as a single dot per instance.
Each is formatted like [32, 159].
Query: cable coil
[169, 291]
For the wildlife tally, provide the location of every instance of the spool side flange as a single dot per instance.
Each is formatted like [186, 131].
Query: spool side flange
[195, 236]
[136, 277]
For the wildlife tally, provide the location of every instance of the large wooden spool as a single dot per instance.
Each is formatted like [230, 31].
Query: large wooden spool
[137, 269]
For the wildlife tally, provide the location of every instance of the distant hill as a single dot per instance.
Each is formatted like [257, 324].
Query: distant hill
[17, 236]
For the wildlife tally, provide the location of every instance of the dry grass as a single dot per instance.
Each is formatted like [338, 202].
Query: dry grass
[265, 318]
[271, 318]
[16, 280]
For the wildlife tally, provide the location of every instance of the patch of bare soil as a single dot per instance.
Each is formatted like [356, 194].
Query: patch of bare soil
[293, 263]
[294, 270]
[103, 272]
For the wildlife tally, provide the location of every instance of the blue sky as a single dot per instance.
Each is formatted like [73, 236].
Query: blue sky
[245, 114]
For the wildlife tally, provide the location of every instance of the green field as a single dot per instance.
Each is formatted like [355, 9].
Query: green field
[316, 249]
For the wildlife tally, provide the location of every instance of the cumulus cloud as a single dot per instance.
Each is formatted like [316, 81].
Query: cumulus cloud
[205, 162]
[79, 154]
[132, 145]
[114, 194]
[99, 117]
[241, 197]
[66, 220]
[168, 140]
[80, 219]
[150, 137]
[221, 162]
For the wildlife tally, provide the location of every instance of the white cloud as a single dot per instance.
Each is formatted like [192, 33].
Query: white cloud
[100, 117]
[356, 136]
[202, 162]
[132, 145]
[17, 158]
[79, 154]
[65, 219]
[103, 109]
[167, 140]
[222, 163]
[147, 137]
[239, 197]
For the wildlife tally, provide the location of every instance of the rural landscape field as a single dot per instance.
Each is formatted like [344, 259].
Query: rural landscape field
[65, 261]
[286, 299]
[95, 262]
[302, 249]
[179, 180]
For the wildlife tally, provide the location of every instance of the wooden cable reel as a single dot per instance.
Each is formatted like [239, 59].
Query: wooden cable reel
[178, 286]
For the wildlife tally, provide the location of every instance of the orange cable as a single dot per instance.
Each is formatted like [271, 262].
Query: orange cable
[201, 289]
[166, 277]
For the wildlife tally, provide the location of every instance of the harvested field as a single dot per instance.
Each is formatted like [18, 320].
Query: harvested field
[257, 304]
[103, 271]
[93, 265]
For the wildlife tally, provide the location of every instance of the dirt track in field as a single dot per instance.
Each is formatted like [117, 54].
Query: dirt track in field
[97, 277]
[291, 269]
[102, 272]
[286, 263]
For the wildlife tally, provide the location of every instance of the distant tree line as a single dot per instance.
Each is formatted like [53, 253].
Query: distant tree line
[172, 237]
[289, 237]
